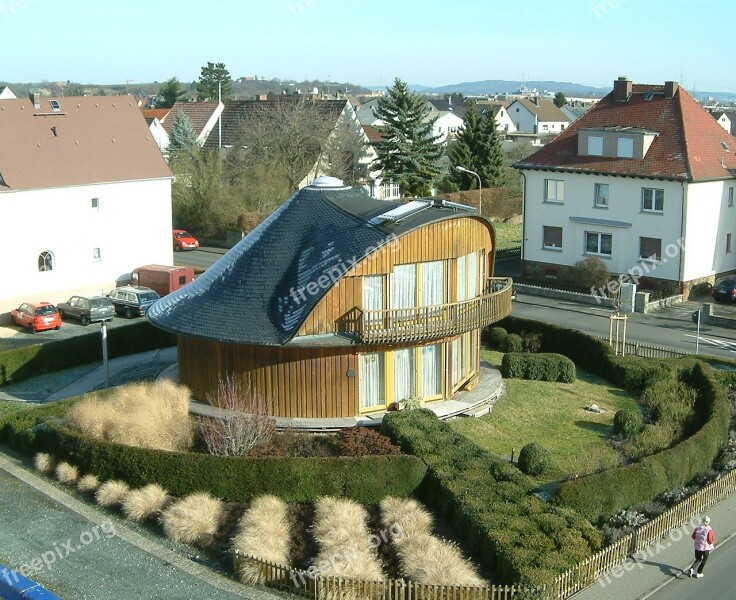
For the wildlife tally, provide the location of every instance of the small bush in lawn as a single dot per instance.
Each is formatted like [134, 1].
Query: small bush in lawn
[147, 415]
[345, 544]
[44, 463]
[532, 341]
[362, 441]
[192, 518]
[496, 337]
[145, 502]
[112, 493]
[243, 424]
[534, 459]
[513, 343]
[66, 473]
[263, 533]
[88, 484]
[627, 422]
[406, 517]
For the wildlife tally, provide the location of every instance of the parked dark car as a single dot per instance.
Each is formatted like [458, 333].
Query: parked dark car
[87, 309]
[132, 300]
[724, 289]
[37, 316]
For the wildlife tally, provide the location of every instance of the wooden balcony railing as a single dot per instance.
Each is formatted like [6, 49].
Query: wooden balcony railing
[430, 322]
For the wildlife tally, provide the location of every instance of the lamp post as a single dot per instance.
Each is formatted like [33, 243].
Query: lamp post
[480, 185]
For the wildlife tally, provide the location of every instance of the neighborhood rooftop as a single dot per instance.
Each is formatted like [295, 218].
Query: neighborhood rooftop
[63, 142]
[689, 146]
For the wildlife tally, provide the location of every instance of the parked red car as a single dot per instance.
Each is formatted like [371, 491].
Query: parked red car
[37, 316]
[184, 240]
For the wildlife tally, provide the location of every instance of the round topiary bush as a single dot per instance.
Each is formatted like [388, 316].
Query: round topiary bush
[496, 337]
[534, 459]
[513, 343]
[627, 422]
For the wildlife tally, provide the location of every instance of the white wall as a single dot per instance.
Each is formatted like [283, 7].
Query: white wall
[523, 120]
[503, 121]
[449, 124]
[624, 206]
[159, 134]
[132, 228]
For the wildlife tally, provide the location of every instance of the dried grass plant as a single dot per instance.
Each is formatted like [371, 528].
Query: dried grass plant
[66, 473]
[88, 484]
[263, 533]
[408, 516]
[44, 463]
[145, 503]
[190, 519]
[147, 415]
[111, 493]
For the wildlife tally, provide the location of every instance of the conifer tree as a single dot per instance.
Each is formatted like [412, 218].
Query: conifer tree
[182, 139]
[407, 152]
[478, 148]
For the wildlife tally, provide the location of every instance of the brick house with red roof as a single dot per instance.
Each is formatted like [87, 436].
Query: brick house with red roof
[644, 181]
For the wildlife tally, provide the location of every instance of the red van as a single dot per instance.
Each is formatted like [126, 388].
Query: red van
[163, 279]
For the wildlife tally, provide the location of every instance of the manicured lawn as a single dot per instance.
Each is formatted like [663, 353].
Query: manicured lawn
[554, 415]
[508, 235]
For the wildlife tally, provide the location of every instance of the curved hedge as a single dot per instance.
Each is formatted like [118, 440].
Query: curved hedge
[28, 361]
[365, 479]
[491, 504]
[538, 367]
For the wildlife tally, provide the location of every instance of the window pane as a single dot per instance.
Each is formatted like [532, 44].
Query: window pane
[595, 145]
[606, 243]
[601, 194]
[461, 279]
[650, 248]
[431, 384]
[404, 374]
[626, 148]
[404, 292]
[552, 237]
[372, 374]
[433, 283]
[591, 242]
[472, 274]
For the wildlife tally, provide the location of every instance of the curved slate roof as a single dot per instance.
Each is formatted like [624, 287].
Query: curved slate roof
[250, 295]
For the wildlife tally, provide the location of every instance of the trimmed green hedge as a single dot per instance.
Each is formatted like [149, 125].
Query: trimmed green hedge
[29, 361]
[538, 367]
[366, 479]
[534, 459]
[605, 493]
[491, 504]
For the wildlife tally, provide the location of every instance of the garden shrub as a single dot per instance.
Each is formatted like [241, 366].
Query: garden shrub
[190, 519]
[491, 504]
[534, 459]
[495, 337]
[363, 441]
[607, 492]
[591, 272]
[627, 422]
[539, 367]
[513, 343]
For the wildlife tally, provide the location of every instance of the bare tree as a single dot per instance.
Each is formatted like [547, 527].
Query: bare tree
[243, 422]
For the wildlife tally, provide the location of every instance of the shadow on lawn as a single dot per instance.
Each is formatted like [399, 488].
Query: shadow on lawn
[601, 429]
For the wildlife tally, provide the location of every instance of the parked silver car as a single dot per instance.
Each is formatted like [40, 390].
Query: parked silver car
[87, 309]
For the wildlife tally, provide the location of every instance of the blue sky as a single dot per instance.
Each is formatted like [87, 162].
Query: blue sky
[371, 43]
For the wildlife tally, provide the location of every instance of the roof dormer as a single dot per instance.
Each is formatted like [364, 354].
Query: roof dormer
[615, 142]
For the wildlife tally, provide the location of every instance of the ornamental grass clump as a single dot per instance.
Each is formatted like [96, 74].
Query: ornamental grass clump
[192, 518]
[66, 473]
[88, 484]
[44, 463]
[424, 557]
[263, 533]
[111, 493]
[346, 548]
[151, 415]
[144, 503]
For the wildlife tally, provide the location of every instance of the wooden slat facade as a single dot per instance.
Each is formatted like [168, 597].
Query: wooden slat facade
[321, 381]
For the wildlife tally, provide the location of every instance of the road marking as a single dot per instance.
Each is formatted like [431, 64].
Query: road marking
[730, 346]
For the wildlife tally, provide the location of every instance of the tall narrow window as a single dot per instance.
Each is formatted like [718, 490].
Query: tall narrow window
[600, 195]
[372, 377]
[552, 238]
[373, 297]
[730, 196]
[96, 254]
[728, 243]
[95, 204]
[595, 145]
[554, 190]
[433, 283]
[431, 369]
[404, 289]
[46, 261]
[652, 200]
[461, 278]
[404, 374]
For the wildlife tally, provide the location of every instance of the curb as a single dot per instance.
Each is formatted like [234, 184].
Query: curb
[13, 586]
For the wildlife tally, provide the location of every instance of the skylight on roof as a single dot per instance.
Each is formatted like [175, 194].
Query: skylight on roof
[726, 147]
[401, 212]
[648, 96]
[55, 105]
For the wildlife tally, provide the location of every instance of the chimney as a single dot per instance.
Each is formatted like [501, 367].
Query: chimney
[622, 88]
[35, 97]
[670, 89]
[536, 100]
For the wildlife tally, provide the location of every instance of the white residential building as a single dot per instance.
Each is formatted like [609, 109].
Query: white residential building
[537, 115]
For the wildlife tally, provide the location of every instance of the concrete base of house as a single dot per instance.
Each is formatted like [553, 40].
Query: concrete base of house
[473, 403]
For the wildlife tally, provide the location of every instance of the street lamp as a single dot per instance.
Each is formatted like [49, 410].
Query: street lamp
[480, 185]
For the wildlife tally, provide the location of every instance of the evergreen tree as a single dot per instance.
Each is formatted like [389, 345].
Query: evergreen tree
[478, 148]
[182, 139]
[212, 75]
[407, 152]
[170, 92]
[560, 100]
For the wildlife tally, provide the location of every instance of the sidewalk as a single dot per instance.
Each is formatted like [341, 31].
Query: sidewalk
[661, 563]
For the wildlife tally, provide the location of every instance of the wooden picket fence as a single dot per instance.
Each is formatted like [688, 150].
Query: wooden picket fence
[316, 587]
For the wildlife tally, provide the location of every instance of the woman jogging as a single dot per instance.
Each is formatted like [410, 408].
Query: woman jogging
[704, 541]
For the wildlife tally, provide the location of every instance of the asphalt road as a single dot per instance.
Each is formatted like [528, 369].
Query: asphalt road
[717, 583]
[200, 259]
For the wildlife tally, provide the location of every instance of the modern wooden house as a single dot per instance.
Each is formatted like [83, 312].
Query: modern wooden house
[339, 305]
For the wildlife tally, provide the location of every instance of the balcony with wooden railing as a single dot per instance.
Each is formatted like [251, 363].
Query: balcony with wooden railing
[421, 323]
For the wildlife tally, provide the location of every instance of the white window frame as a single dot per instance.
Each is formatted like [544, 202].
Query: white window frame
[655, 192]
[625, 152]
[378, 360]
[544, 238]
[599, 251]
[554, 191]
[595, 145]
[46, 261]
[95, 203]
[601, 191]
[96, 254]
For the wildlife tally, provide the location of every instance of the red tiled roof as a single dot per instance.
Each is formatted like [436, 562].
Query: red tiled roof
[155, 113]
[691, 145]
[94, 139]
[374, 135]
[199, 114]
